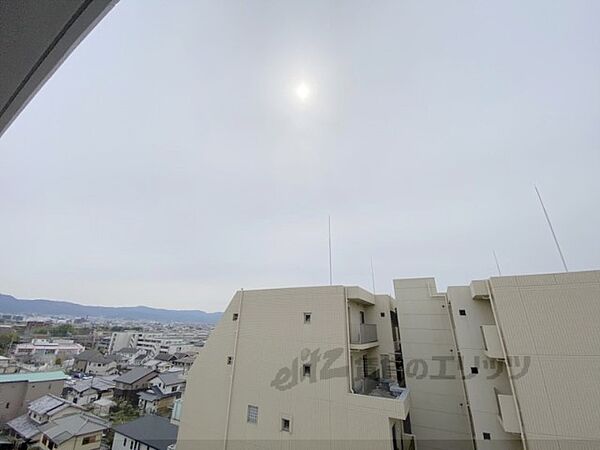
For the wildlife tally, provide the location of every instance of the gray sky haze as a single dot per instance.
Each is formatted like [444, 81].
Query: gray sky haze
[169, 162]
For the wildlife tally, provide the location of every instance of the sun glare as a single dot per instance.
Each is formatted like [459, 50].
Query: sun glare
[303, 91]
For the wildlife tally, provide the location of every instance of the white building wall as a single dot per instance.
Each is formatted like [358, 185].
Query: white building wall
[439, 415]
[271, 335]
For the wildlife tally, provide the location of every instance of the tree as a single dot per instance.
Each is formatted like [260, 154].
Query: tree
[123, 412]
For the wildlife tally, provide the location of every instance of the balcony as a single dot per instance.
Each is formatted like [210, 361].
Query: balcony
[383, 395]
[491, 341]
[408, 441]
[363, 337]
[507, 412]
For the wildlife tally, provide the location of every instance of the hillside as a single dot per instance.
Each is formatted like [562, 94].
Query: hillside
[12, 305]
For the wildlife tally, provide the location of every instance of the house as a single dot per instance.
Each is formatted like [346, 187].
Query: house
[129, 384]
[184, 363]
[85, 391]
[145, 433]
[18, 390]
[164, 389]
[129, 356]
[26, 429]
[73, 432]
[92, 362]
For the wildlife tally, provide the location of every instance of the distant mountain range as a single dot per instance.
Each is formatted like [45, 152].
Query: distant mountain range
[12, 305]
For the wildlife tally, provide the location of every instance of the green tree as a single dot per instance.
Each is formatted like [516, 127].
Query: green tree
[123, 412]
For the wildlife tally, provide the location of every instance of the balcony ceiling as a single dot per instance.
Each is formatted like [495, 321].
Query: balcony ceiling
[35, 37]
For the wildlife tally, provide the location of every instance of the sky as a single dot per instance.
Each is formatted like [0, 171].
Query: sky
[169, 162]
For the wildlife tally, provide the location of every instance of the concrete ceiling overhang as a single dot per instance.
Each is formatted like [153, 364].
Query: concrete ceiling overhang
[35, 38]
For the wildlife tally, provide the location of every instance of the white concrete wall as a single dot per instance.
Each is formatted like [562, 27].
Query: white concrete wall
[272, 334]
[438, 412]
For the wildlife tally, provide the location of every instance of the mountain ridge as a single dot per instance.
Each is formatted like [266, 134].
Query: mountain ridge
[12, 305]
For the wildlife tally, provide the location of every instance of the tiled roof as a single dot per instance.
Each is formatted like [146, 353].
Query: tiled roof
[50, 404]
[64, 428]
[155, 431]
[134, 375]
[24, 426]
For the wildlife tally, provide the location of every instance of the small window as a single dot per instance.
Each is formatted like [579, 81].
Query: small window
[124, 441]
[285, 424]
[306, 370]
[7, 405]
[462, 312]
[487, 436]
[229, 360]
[382, 314]
[474, 370]
[307, 317]
[252, 414]
[235, 316]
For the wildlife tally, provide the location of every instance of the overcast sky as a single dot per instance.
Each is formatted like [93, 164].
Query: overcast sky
[169, 163]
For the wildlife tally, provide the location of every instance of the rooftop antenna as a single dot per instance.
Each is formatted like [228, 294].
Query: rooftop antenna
[497, 263]
[372, 275]
[562, 257]
[330, 269]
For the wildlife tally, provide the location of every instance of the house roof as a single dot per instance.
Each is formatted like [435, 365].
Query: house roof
[97, 383]
[129, 350]
[155, 431]
[49, 404]
[95, 356]
[165, 357]
[33, 377]
[170, 378]
[134, 375]
[64, 428]
[186, 360]
[24, 426]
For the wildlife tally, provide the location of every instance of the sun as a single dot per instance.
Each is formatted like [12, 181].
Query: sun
[303, 91]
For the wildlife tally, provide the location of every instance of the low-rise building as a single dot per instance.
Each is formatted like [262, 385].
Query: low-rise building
[85, 391]
[48, 350]
[145, 433]
[81, 431]
[163, 390]
[92, 362]
[26, 429]
[18, 390]
[132, 382]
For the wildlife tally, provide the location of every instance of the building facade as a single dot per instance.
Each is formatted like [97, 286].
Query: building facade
[301, 367]
[19, 389]
[512, 362]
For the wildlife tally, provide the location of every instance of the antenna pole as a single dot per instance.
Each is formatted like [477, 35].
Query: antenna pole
[497, 263]
[330, 269]
[562, 257]
[372, 275]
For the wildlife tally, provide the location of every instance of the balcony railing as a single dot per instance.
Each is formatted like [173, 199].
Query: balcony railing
[366, 333]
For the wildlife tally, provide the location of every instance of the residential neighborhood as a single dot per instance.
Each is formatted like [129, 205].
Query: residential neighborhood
[65, 392]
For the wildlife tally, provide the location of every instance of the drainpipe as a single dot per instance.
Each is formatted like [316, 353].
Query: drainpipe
[235, 344]
[349, 352]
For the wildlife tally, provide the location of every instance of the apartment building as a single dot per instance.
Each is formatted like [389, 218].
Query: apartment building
[19, 389]
[507, 363]
[151, 343]
[48, 350]
[301, 367]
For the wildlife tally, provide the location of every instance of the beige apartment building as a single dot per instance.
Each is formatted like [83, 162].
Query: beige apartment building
[507, 363]
[520, 356]
[299, 368]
